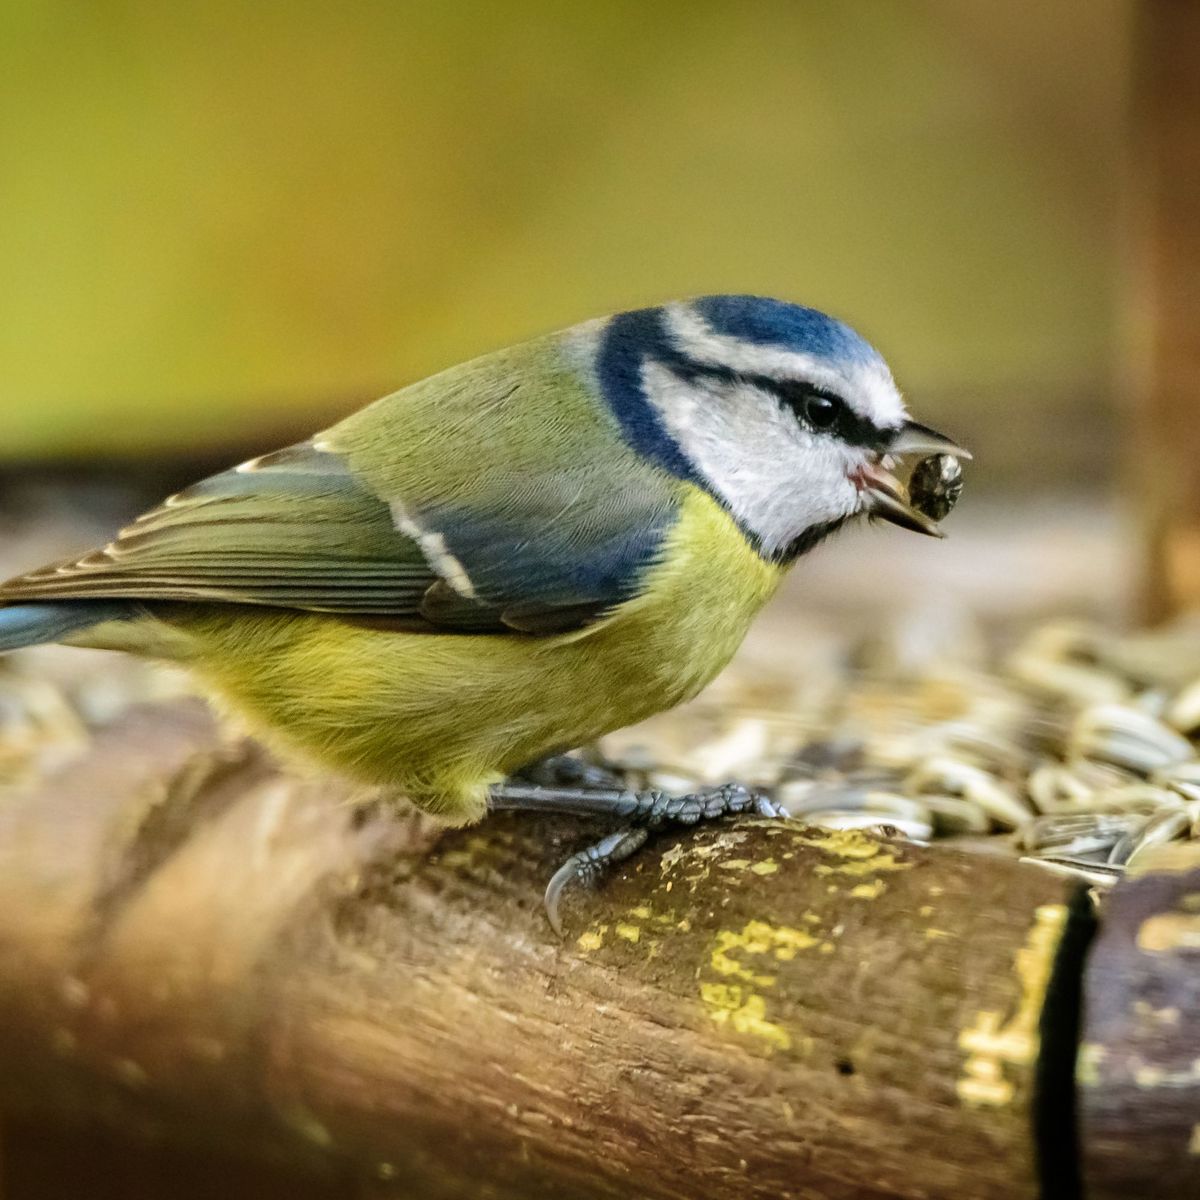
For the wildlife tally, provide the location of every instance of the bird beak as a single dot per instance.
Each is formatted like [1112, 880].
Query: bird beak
[884, 495]
[920, 439]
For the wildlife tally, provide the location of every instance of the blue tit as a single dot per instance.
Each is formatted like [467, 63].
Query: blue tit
[511, 558]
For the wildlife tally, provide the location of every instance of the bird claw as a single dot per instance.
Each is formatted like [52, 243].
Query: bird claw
[587, 866]
[658, 810]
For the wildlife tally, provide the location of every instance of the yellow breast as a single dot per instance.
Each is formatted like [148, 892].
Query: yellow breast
[443, 716]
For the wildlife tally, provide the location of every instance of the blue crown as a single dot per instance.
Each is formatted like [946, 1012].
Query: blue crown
[767, 322]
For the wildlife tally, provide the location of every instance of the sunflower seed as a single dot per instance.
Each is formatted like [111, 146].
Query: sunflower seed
[1125, 737]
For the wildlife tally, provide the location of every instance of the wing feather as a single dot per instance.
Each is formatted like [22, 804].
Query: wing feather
[516, 506]
[294, 529]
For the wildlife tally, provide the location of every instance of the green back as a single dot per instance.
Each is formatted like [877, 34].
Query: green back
[498, 494]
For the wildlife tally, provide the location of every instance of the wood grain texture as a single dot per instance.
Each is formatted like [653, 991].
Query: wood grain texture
[1139, 1070]
[198, 950]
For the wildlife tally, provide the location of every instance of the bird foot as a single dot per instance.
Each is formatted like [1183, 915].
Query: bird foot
[642, 814]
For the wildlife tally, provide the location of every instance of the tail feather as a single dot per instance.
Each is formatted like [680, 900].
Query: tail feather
[32, 624]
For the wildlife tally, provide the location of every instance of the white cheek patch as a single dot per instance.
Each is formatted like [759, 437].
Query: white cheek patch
[778, 479]
[866, 386]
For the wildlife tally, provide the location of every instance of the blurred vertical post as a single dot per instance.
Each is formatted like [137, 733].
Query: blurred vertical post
[1166, 163]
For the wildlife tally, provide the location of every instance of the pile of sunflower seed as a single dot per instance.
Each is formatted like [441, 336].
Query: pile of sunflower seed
[1080, 749]
[52, 700]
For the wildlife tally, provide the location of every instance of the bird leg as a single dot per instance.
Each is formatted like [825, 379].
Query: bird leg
[569, 771]
[639, 812]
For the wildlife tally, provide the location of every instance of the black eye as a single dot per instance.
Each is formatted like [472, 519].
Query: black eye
[817, 409]
[821, 412]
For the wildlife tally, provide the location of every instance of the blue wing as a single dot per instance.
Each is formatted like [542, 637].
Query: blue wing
[297, 529]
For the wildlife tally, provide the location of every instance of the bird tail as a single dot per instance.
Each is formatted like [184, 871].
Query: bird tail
[54, 620]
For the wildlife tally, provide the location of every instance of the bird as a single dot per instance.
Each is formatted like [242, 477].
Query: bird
[511, 558]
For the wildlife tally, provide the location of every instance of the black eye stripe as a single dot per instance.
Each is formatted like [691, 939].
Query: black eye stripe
[847, 425]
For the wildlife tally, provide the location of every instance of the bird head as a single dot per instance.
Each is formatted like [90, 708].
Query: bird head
[789, 418]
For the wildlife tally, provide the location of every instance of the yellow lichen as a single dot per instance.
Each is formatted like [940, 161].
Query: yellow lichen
[721, 962]
[745, 1012]
[1149, 1076]
[868, 891]
[631, 933]
[1166, 933]
[846, 843]
[735, 1003]
[1087, 1064]
[991, 1042]
[481, 853]
[767, 867]
[1157, 1016]
[593, 939]
[859, 854]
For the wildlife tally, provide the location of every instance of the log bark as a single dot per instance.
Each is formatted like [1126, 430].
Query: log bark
[199, 950]
[1139, 1066]
[1166, 300]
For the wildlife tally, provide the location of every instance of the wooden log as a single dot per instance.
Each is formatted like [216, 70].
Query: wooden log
[1139, 1065]
[1166, 304]
[197, 949]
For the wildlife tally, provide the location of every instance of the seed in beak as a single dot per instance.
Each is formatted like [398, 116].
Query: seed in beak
[935, 485]
[885, 496]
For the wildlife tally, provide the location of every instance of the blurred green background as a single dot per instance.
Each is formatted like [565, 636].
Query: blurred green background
[227, 222]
